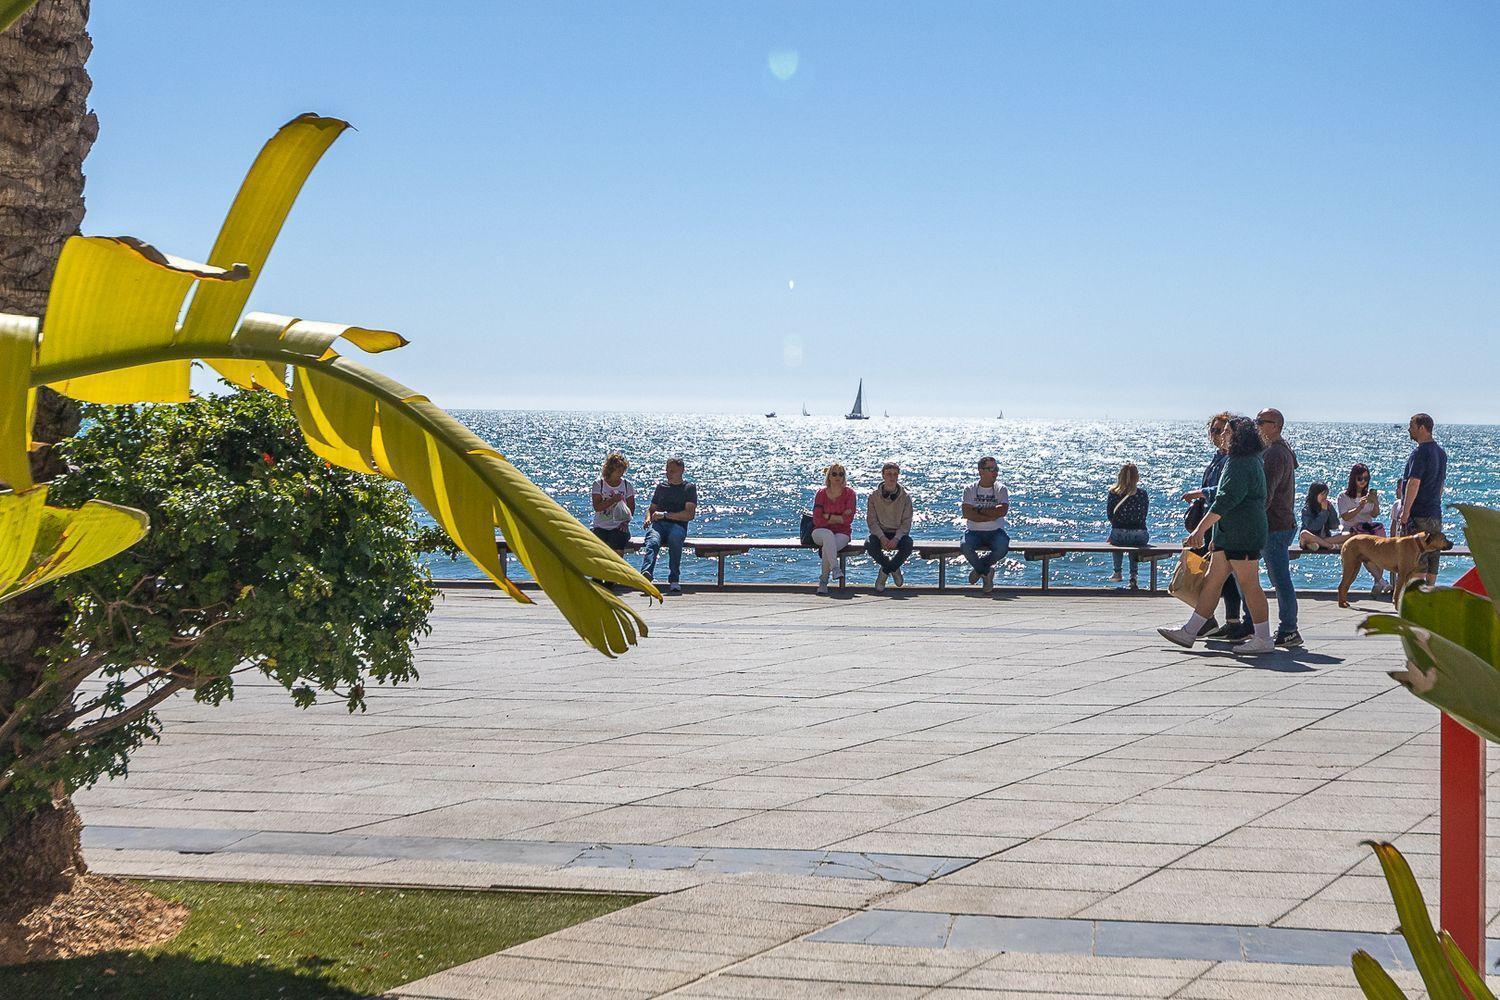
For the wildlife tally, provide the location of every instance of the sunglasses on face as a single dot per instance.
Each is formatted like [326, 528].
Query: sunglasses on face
[836, 475]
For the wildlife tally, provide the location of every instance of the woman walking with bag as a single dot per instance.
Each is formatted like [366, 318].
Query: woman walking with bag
[1237, 520]
[833, 515]
[1232, 629]
[1126, 506]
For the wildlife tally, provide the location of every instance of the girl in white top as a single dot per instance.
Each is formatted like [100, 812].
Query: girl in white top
[1359, 512]
[613, 499]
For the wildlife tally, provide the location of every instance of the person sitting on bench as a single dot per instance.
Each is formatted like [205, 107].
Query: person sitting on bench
[985, 505]
[888, 513]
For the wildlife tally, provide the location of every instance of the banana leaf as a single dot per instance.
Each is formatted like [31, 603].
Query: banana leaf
[1482, 530]
[1416, 926]
[38, 543]
[1452, 644]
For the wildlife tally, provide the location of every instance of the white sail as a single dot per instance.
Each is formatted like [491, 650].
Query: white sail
[858, 413]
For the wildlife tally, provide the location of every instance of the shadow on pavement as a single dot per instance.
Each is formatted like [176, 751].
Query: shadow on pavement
[143, 976]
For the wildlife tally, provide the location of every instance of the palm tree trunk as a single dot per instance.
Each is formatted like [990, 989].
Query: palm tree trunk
[46, 130]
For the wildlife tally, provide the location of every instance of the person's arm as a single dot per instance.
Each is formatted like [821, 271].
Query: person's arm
[820, 509]
[871, 521]
[596, 496]
[630, 502]
[1408, 498]
[1003, 507]
[1195, 540]
[904, 528]
[1233, 486]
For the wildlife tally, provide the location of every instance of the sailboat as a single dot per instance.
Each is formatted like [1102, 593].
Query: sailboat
[858, 413]
[804, 410]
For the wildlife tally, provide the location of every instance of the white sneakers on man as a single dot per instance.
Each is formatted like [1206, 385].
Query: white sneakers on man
[1255, 644]
[974, 576]
[989, 581]
[880, 579]
[897, 578]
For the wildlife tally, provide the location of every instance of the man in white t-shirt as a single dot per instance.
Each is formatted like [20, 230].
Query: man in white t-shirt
[985, 505]
[613, 499]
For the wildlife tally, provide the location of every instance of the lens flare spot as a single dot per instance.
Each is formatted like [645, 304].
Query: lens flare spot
[783, 63]
[791, 351]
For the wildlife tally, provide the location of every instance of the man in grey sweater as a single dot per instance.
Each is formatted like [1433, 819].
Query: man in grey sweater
[1281, 519]
[888, 513]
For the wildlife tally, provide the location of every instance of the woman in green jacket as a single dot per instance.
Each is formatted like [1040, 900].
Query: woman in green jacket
[1237, 519]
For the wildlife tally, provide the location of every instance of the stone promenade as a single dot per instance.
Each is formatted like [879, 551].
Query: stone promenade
[925, 795]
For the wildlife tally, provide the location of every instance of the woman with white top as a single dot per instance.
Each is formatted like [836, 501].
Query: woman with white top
[1359, 512]
[614, 503]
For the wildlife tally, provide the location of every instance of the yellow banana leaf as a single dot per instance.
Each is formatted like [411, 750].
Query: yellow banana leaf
[38, 543]
[10, 10]
[120, 298]
[17, 349]
[468, 488]
[111, 336]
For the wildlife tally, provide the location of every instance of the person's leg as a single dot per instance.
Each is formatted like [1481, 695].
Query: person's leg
[676, 536]
[903, 552]
[1119, 562]
[999, 545]
[969, 546]
[1279, 569]
[1135, 571]
[1309, 541]
[1231, 600]
[650, 549]
[827, 550]
[875, 552]
[1427, 565]
[1247, 574]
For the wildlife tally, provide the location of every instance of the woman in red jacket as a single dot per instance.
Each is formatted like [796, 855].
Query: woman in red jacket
[833, 517]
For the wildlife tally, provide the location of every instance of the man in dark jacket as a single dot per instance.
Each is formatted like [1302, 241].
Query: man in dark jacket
[1281, 520]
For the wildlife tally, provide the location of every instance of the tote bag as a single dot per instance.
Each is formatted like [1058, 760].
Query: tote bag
[1188, 577]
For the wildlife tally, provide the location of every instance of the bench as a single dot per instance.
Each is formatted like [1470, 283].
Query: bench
[941, 550]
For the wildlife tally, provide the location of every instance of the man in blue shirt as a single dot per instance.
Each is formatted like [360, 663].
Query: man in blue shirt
[1421, 490]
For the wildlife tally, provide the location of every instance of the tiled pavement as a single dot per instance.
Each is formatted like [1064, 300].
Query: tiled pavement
[1096, 774]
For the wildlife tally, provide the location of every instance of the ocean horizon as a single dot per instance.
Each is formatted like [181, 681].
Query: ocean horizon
[757, 475]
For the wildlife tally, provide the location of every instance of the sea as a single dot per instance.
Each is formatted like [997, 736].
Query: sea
[756, 475]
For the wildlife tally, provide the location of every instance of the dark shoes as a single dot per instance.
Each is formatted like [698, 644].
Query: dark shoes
[1232, 631]
[1289, 640]
[1209, 628]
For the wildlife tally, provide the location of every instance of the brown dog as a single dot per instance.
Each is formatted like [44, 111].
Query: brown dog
[1397, 556]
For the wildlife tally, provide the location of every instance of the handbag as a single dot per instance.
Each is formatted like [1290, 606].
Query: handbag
[807, 530]
[1188, 577]
[1196, 512]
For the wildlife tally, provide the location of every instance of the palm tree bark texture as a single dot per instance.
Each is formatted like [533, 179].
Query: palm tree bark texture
[46, 131]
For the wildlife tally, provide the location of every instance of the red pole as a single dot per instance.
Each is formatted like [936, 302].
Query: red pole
[1462, 819]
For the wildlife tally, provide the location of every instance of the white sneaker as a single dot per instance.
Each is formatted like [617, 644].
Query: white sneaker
[880, 579]
[897, 578]
[1117, 578]
[823, 587]
[989, 581]
[974, 576]
[1255, 644]
[675, 588]
[1181, 636]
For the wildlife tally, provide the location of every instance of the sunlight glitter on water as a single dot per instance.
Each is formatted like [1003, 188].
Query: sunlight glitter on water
[756, 475]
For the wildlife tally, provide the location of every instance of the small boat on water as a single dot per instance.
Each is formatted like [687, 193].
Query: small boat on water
[804, 410]
[858, 413]
[1001, 416]
[771, 414]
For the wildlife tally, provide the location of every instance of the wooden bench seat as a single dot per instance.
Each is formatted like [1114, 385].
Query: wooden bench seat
[941, 550]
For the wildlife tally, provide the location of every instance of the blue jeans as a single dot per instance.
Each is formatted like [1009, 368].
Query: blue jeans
[673, 533]
[1129, 536]
[997, 541]
[1279, 569]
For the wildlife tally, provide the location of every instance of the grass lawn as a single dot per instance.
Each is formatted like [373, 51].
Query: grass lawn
[246, 941]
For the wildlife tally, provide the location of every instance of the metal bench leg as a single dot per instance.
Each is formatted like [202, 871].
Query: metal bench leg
[505, 564]
[1153, 574]
[1046, 572]
[721, 571]
[841, 571]
[942, 572]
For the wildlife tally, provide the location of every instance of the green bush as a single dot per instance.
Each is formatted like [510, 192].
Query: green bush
[260, 557]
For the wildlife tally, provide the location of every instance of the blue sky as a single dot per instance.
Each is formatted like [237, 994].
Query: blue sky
[1076, 209]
